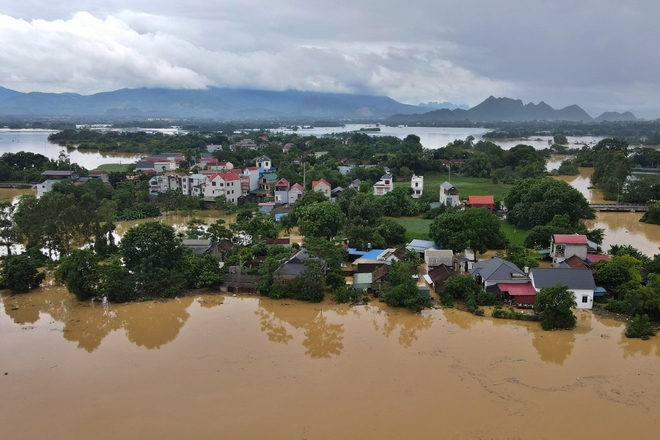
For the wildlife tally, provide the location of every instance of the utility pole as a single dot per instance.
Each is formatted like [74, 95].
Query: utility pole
[304, 177]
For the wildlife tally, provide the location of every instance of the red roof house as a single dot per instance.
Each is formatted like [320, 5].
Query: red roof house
[487, 202]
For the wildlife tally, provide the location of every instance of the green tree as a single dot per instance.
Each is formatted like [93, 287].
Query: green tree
[323, 219]
[116, 283]
[400, 289]
[521, 256]
[640, 327]
[652, 215]
[476, 229]
[308, 286]
[553, 304]
[152, 253]
[533, 202]
[9, 235]
[20, 273]
[460, 287]
[79, 272]
[560, 139]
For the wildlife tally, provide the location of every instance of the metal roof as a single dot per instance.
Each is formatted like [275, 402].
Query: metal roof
[581, 279]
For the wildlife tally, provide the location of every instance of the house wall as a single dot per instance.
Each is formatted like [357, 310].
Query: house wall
[449, 199]
[578, 294]
[579, 250]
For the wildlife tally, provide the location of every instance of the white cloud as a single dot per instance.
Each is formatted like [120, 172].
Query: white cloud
[87, 54]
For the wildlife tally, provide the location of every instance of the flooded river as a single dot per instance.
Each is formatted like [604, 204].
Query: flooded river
[213, 367]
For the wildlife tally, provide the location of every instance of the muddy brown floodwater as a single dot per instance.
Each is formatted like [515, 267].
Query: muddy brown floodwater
[210, 367]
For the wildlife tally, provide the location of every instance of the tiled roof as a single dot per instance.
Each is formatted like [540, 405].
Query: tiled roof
[481, 200]
[316, 182]
[570, 239]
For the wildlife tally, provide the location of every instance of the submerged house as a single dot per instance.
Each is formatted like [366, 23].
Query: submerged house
[563, 246]
[496, 270]
[579, 281]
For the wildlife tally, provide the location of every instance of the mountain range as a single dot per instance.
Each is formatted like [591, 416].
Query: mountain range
[507, 109]
[234, 104]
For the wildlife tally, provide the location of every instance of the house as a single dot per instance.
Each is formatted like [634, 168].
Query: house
[211, 148]
[58, 174]
[379, 277]
[520, 294]
[449, 194]
[282, 191]
[279, 241]
[345, 169]
[384, 185]
[46, 186]
[102, 175]
[286, 148]
[264, 163]
[436, 257]
[563, 246]
[267, 181]
[579, 281]
[369, 262]
[356, 184]
[574, 262]
[295, 192]
[496, 270]
[437, 277]
[363, 280]
[420, 246]
[322, 186]
[335, 193]
[249, 180]
[487, 202]
[392, 255]
[293, 267]
[417, 185]
[223, 184]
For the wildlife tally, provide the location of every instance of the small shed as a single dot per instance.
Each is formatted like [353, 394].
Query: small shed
[518, 293]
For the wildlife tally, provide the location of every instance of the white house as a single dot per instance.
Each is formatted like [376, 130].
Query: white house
[223, 184]
[449, 194]
[579, 281]
[417, 185]
[384, 185]
[323, 186]
[282, 191]
[563, 246]
[46, 186]
[435, 257]
[295, 192]
[264, 162]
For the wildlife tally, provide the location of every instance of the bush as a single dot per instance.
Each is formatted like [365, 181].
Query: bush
[346, 294]
[20, 273]
[335, 280]
[510, 314]
[640, 327]
[485, 298]
[472, 306]
[615, 306]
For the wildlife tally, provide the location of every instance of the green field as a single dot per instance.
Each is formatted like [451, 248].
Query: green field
[467, 186]
[515, 235]
[112, 167]
[416, 227]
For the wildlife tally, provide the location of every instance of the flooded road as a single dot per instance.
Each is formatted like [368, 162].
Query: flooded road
[248, 367]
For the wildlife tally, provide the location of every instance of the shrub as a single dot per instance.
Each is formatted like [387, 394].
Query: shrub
[346, 294]
[20, 273]
[615, 306]
[640, 327]
[506, 314]
[472, 306]
[485, 298]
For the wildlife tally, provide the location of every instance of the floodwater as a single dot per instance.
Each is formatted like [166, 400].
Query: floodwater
[36, 141]
[212, 367]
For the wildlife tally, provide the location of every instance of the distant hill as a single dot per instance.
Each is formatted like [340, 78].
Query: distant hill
[507, 109]
[616, 117]
[214, 103]
[445, 104]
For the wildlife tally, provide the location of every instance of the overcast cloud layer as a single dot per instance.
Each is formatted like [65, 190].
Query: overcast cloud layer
[600, 54]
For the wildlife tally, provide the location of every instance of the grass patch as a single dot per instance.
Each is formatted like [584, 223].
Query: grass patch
[467, 186]
[416, 227]
[115, 167]
[515, 235]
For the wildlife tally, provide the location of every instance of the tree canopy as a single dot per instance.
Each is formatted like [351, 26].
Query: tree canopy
[533, 202]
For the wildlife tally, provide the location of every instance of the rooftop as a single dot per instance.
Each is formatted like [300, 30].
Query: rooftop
[569, 239]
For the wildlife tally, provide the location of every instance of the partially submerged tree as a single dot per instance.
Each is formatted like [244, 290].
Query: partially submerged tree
[554, 305]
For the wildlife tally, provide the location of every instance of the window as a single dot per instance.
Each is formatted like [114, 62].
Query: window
[585, 299]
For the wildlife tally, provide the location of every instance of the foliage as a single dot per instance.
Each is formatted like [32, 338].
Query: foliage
[475, 228]
[533, 202]
[152, 253]
[115, 282]
[460, 287]
[79, 272]
[308, 286]
[20, 273]
[323, 219]
[652, 215]
[400, 289]
[334, 280]
[521, 256]
[485, 298]
[510, 314]
[553, 305]
[347, 294]
[640, 327]
[472, 305]
[9, 234]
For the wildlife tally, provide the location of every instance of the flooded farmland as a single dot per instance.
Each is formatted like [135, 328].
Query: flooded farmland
[246, 367]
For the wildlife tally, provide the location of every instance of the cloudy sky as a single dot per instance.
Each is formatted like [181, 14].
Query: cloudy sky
[600, 54]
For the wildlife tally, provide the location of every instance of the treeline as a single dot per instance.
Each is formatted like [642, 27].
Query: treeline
[27, 167]
[634, 132]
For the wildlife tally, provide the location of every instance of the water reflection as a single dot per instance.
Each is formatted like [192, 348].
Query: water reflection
[634, 347]
[408, 323]
[462, 319]
[148, 324]
[322, 339]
